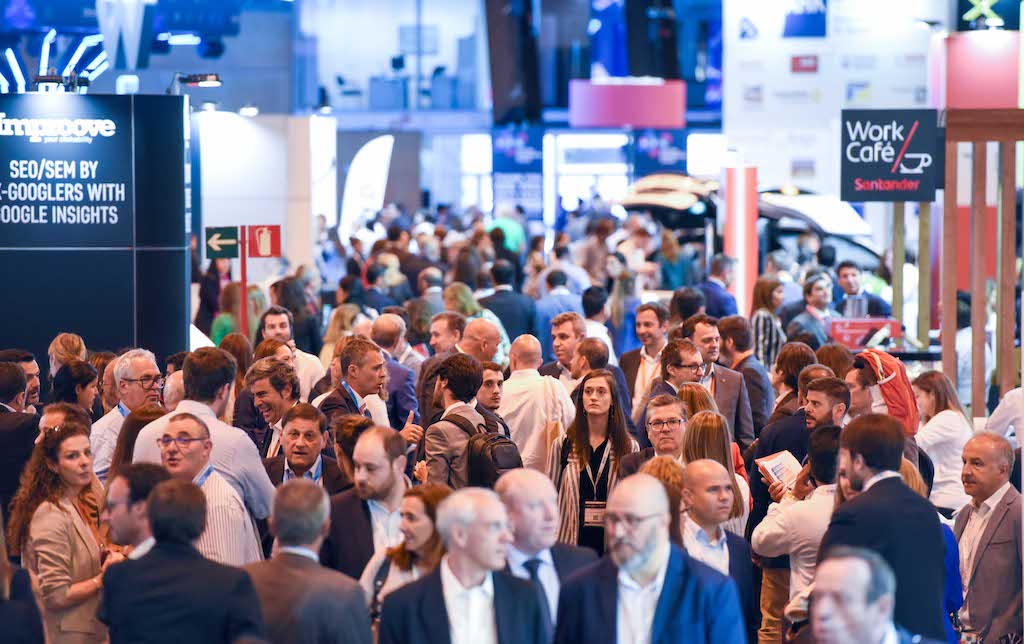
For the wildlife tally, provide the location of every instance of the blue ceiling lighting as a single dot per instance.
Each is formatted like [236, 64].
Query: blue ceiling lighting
[88, 41]
[44, 54]
[19, 75]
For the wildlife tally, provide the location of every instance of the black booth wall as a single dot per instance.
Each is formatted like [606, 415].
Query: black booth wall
[117, 285]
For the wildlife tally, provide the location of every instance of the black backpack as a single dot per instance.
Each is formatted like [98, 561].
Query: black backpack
[488, 454]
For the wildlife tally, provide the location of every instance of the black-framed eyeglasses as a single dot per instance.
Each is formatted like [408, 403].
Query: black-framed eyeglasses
[183, 441]
[693, 367]
[631, 521]
[147, 382]
[660, 425]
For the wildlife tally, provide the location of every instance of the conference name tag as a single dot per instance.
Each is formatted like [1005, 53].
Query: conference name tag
[593, 514]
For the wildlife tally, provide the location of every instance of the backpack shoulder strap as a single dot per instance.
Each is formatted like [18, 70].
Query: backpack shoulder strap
[378, 583]
[463, 423]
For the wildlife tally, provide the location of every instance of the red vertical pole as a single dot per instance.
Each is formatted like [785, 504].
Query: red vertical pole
[242, 235]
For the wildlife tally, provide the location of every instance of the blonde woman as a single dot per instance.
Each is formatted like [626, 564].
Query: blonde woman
[65, 348]
[340, 325]
[394, 283]
[707, 436]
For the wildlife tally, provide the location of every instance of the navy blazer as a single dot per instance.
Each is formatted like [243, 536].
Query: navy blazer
[546, 309]
[416, 612]
[401, 393]
[741, 571]
[378, 300]
[718, 302]
[18, 432]
[697, 604]
[517, 312]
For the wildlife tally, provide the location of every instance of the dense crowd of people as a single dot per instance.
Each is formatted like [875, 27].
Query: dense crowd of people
[483, 442]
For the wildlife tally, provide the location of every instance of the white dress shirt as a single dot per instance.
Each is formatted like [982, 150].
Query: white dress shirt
[636, 605]
[234, 455]
[943, 438]
[964, 351]
[971, 536]
[795, 528]
[310, 370]
[142, 549]
[647, 371]
[546, 573]
[103, 440]
[314, 473]
[1008, 416]
[529, 403]
[710, 550]
[597, 330]
[565, 377]
[470, 610]
[881, 476]
[230, 535]
[385, 524]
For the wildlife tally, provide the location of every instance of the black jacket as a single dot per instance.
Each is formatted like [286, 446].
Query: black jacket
[904, 529]
[631, 463]
[18, 433]
[416, 612]
[349, 543]
[517, 312]
[176, 595]
[19, 614]
[759, 391]
[741, 571]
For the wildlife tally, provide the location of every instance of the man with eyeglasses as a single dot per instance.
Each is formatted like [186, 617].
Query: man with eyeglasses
[659, 593]
[681, 362]
[666, 424]
[138, 381]
[230, 535]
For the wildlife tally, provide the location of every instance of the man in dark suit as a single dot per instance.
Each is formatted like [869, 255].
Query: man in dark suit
[430, 283]
[551, 307]
[469, 592]
[696, 603]
[174, 594]
[534, 555]
[665, 424]
[853, 597]
[718, 301]
[642, 366]
[388, 331]
[302, 602]
[681, 362]
[303, 442]
[446, 330]
[988, 530]
[726, 386]
[18, 431]
[362, 373]
[379, 464]
[516, 311]
[849, 280]
[374, 296]
[707, 492]
[738, 352]
[890, 518]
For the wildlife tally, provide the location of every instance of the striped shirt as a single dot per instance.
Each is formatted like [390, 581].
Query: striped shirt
[768, 336]
[230, 536]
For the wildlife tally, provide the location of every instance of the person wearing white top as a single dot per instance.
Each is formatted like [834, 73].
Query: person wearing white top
[138, 383]
[469, 599]
[1008, 416]
[795, 524]
[277, 323]
[125, 511]
[234, 454]
[229, 536]
[944, 432]
[531, 403]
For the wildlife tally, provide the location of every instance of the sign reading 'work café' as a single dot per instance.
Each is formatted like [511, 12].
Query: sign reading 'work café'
[889, 155]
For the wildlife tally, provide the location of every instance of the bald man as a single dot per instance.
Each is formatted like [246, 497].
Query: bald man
[388, 332]
[532, 504]
[531, 403]
[480, 340]
[660, 594]
[708, 495]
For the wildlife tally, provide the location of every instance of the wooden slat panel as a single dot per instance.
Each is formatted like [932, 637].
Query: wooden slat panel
[978, 304]
[924, 267]
[948, 275]
[1007, 272]
[899, 257]
[984, 125]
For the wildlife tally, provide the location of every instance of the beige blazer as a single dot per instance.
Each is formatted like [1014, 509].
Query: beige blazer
[61, 551]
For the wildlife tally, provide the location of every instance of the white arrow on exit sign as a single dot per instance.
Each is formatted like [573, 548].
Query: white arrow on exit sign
[215, 242]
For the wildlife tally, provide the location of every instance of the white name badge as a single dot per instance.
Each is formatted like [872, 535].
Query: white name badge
[593, 514]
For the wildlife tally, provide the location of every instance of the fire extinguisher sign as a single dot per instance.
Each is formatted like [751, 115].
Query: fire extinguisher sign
[890, 155]
[264, 241]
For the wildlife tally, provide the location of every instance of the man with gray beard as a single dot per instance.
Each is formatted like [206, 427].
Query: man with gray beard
[643, 566]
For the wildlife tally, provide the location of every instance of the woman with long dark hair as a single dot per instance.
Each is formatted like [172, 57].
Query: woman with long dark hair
[216, 277]
[60, 542]
[290, 294]
[76, 383]
[418, 554]
[584, 462]
[124, 449]
[944, 431]
[768, 334]
[238, 346]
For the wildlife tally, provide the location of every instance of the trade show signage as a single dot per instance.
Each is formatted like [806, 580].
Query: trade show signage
[517, 165]
[889, 155]
[222, 242]
[659, 151]
[66, 171]
[264, 241]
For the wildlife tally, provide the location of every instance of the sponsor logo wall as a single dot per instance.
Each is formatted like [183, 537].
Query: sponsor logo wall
[792, 66]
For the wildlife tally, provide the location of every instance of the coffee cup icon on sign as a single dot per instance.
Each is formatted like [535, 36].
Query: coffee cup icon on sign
[921, 159]
[263, 241]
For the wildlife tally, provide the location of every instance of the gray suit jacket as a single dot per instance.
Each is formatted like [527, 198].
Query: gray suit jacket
[733, 403]
[993, 598]
[304, 603]
[447, 461]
